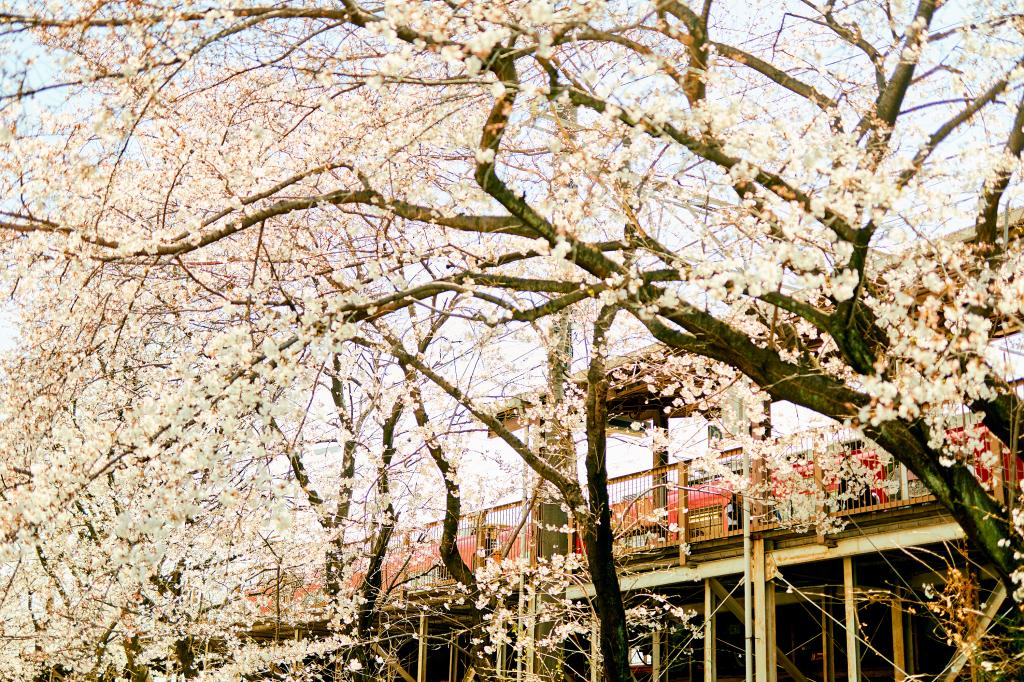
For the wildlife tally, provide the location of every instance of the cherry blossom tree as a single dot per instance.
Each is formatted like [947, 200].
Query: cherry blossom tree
[228, 233]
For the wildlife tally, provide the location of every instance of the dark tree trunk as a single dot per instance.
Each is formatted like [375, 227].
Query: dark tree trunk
[598, 537]
[448, 547]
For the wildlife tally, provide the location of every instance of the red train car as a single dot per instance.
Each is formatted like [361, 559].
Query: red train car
[652, 514]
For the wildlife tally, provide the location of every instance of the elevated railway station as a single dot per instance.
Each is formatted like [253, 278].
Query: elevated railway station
[855, 570]
[863, 601]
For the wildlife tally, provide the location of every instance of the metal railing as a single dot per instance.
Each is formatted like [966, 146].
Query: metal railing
[645, 507]
[677, 506]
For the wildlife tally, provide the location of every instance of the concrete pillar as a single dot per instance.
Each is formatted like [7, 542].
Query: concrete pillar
[710, 636]
[764, 616]
[759, 615]
[850, 622]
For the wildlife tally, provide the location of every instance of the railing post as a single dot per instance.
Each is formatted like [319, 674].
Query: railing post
[998, 472]
[659, 504]
[659, 454]
[683, 511]
[819, 494]
[1012, 483]
[479, 555]
[571, 524]
[904, 483]
[758, 508]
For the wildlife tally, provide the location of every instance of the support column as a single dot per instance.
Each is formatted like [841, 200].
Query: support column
[850, 622]
[710, 636]
[421, 659]
[764, 616]
[828, 649]
[819, 494]
[760, 613]
[453, 658]
[910, 643]
[737, 610]
[769, 601]
[656, 656]
[899, 656]
[531, 635]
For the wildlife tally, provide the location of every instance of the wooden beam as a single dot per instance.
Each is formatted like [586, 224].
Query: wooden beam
[850, 623]
[995, 602]
[736, 609]
[899, 654]
[867, 543]
[393, 663]
[710, 636]
[656, 656]
[421, 651]
[910, 643]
